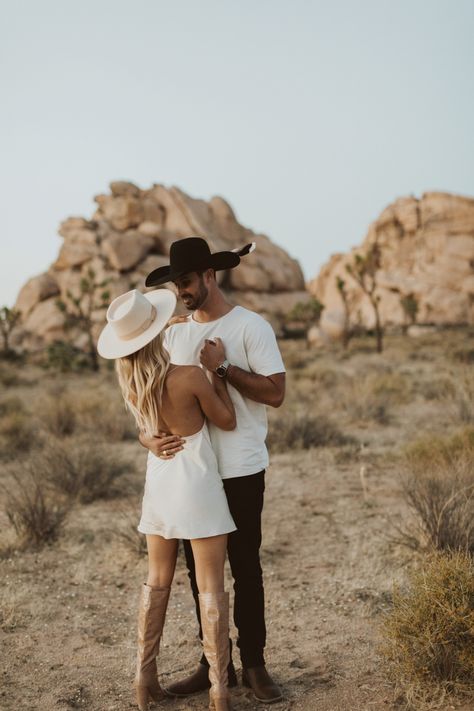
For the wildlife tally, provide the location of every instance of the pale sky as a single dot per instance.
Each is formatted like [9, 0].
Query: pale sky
[309, 117]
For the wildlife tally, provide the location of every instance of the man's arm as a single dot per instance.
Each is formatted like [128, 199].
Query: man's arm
[266, 389]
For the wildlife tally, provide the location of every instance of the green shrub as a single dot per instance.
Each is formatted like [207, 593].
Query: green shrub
[429, 633]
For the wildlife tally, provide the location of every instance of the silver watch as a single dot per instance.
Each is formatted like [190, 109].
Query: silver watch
[222, 369]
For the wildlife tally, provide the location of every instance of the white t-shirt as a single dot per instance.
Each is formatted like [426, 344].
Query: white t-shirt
[250, 344]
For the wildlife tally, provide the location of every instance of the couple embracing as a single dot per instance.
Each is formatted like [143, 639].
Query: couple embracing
[197, 386]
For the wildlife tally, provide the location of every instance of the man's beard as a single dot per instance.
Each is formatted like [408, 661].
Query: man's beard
[195, 302]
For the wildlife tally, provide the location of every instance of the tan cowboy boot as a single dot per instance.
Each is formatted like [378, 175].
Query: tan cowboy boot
[151, 618]
[215, 633]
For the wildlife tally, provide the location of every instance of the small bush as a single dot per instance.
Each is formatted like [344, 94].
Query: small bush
[303, 432]
[106, 416]
[429, 633]
[461, 398]
[438, 485]
[127, 531]
[34, 509]
[83, 469]
[8, 376]
[57, 413]
[364, 400]
[64, 357]
[16, 429]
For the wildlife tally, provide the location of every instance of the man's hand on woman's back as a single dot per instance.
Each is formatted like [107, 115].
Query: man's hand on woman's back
[163, 445]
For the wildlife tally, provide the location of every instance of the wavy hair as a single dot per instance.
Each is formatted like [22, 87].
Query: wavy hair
[141, 377]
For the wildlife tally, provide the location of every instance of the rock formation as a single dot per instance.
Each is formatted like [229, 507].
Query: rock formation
[130, 235]
[427, 251]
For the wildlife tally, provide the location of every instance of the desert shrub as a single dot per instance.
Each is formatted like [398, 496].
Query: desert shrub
[83, 469]
[429, 633]
[8, 375]
[106, 416]
[303, 432]
[34, 508]
[64, 357]
[57, 412]
[367, 399]
[438, 485]
[64, 413]
[16, 429]
[461, 398]
[127, 532]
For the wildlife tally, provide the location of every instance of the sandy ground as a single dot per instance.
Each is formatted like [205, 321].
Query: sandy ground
[69, 611]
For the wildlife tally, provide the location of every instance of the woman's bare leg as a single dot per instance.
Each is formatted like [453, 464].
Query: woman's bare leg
[162, 554]
[209, 555]
[151, 617]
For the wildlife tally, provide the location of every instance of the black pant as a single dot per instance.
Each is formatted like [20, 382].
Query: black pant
[245, 497]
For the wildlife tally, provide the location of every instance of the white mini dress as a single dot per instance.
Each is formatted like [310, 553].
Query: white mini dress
[184, 496]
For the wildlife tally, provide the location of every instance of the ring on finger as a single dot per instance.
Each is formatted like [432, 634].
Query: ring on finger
[165, 452]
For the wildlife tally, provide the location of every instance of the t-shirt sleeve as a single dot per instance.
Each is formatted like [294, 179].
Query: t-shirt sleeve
[263, 354]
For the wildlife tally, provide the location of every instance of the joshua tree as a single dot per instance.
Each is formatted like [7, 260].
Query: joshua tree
[346, 333]
[8, 320]
[78, 310]
[307, 313]
[364, 271]
[410, 307]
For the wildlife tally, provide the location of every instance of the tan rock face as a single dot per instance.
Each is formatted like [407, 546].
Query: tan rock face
[130, 234]
[36, 290]
[427, 250]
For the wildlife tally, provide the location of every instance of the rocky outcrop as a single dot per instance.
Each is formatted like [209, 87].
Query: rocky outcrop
[130, 235]
[427, 251]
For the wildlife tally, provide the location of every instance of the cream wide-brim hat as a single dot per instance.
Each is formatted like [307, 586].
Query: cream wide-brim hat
[134, 319]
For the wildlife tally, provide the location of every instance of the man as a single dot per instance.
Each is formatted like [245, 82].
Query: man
[250, 361]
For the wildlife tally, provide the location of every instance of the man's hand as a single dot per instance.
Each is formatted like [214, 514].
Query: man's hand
[212, 354]
[164, 445]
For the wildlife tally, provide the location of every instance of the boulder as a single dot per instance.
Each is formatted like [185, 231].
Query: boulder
[124, 251]
[427, 251]
[35, 290]
[130, 235]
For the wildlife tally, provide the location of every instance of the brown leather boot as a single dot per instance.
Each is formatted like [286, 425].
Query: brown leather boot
[151, 619]
[262, 685]
[215, 639]
[199, 681]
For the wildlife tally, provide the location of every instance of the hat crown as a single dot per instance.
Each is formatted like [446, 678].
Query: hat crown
[190, 254]
[128, 313]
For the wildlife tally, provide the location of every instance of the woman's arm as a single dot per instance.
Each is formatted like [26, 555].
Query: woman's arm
[214, 399]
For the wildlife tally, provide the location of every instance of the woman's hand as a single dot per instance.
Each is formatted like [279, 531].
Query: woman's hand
[163, 445]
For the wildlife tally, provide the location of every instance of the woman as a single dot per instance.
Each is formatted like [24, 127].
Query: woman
[184, 496]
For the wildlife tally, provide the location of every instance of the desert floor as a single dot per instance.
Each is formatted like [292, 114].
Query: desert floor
[329, 554]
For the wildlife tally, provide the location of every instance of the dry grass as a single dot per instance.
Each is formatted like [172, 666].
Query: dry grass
[82, 468]
[429, 633]
[461, 398]
[34, 508]
[304, 432]
[126, 531]
[64, 413]
[438, 485]
[16, 429]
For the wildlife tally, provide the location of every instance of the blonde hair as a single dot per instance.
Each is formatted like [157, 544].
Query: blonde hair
[141, 377]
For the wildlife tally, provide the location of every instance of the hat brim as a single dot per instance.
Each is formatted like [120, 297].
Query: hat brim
[217, 261]
[110, 346]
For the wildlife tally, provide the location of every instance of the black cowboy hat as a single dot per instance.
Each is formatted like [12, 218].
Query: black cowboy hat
[192, 254]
